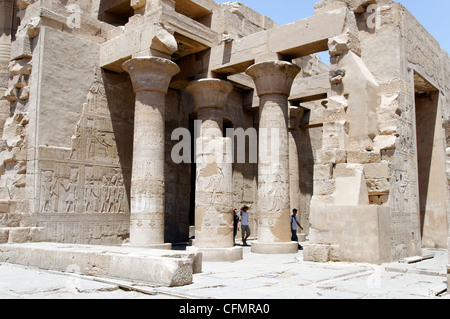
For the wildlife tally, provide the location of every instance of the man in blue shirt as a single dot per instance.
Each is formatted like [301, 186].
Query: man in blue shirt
[245, 228]
[294, 223]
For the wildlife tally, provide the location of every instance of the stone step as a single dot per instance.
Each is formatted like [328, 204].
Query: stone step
[151, 266]
[22, 235]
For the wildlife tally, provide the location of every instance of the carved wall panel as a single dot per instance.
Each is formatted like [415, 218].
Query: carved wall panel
[92, 176]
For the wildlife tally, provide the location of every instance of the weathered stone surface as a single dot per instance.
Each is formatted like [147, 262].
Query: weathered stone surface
[150, 77]
[214, 182]
[368, 222]
[142, 265]
[273, 81]
[86, 148]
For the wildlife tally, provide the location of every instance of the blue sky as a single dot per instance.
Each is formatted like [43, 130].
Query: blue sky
[434, 15]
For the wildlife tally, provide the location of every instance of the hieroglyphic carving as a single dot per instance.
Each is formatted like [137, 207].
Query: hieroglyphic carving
[88, 189]
[89, 177]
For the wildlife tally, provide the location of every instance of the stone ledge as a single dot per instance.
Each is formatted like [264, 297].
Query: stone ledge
[275, 248]
[219, 254]
[21, 234]
[156, 267]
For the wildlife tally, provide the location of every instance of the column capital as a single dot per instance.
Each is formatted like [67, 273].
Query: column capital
[151, 73]
[210, 93]
[273, 77]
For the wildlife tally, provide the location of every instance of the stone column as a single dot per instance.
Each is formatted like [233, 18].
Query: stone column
[150, 77]
[214, 183]
[273, 81]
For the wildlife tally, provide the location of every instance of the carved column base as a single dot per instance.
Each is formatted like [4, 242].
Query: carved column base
[219, 254]
[153, 246]
[275, 248]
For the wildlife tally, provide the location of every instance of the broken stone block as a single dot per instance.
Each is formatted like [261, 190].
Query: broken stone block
[363, 156]
[333, 115]
[20, 67]
[336, 76]
[26, 234]
[379, 186]
[23, 4]
[377, 170]
[331, 156]
[21, 48]
[347, 170]
[345, 42]
[136, 4]
[384, 142]
[321, 253]
[335, 135]
[323, 172]
[11, 94]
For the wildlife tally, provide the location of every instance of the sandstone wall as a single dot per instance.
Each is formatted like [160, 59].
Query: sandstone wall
[428, 74]
[82, 128]
[405, 60]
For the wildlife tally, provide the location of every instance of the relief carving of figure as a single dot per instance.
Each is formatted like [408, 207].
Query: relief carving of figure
[90, 196]
[105, 194]
[49, 193]
[120, 196]
[90, 149]
[215, 184]
[75, 143]
[71, 191]
[101, 139]
[278, 193]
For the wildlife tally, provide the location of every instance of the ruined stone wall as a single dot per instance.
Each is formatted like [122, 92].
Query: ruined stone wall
[428, 71]
[79, 177]
[382, 51]
[395, 51]
[398, 69]
[236, 20]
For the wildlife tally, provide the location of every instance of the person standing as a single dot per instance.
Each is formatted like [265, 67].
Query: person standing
[235, 225]
[294, 224]
[245, 228]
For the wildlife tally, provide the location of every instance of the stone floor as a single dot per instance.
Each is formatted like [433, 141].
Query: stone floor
[254, 277]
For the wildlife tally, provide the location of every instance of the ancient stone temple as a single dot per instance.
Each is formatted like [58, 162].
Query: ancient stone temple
[140, 124]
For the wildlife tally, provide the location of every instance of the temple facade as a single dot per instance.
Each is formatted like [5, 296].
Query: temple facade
[146, 122]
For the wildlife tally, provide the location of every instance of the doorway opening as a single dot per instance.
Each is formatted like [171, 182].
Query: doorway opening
[430, 164]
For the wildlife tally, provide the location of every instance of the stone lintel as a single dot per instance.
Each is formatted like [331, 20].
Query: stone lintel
[293, 40]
